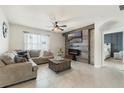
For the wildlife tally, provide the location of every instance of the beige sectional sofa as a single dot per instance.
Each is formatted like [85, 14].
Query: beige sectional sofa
[15, 69]
[12, 73]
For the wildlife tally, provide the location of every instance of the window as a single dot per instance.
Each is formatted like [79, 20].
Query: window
[35, 41]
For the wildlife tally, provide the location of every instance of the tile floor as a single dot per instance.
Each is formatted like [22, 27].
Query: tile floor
[81, 75]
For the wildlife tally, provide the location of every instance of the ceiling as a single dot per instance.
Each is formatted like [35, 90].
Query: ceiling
[42, 16]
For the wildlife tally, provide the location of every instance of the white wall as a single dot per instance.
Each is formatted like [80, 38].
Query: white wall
[97, 47]
[17, 37]
[3, 41]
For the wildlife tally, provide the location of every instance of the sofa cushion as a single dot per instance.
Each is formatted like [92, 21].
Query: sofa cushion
[8, 58]
[34, 53]
[1, 63]
[19, 59]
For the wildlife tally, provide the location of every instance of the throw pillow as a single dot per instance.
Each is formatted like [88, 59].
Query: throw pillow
[1, 64]
[14, 53]
[23, 54]
[47, 53]
[7, 58]
[19, 59]
[41, 53]
[28, 55]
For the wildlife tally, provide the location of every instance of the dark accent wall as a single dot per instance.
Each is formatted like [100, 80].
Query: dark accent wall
[116, 40]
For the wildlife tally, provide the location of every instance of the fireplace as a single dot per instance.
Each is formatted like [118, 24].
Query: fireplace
[74, 53]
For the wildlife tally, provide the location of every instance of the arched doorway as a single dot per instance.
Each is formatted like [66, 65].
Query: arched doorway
[112, 39]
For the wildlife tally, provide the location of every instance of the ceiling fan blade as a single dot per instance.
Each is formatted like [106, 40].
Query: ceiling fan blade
[61, 29]
[63, 26]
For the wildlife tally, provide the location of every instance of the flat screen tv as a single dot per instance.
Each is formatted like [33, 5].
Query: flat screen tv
[75, 35]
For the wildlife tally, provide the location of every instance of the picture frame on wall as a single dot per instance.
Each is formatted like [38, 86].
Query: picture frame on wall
[75, 37]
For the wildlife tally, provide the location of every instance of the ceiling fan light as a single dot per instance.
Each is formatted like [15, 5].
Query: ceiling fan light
[56, 30]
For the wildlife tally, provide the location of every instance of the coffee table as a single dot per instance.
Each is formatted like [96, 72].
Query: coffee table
[59, 65]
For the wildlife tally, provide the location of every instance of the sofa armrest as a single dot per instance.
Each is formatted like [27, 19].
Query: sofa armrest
[34, 65]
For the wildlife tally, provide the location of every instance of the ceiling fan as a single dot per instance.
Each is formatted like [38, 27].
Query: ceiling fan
[57, 27]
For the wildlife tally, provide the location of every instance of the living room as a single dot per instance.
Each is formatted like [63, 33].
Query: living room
[57, 46]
